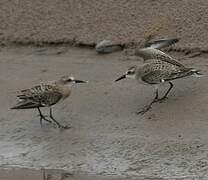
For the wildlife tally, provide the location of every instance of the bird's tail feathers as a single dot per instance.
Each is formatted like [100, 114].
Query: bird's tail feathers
[196, 73]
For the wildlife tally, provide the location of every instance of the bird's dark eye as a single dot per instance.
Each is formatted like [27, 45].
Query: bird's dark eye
[69, 80]
[129, 72]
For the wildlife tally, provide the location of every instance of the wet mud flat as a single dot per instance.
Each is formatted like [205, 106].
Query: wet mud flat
[107, 138]
[28, 174]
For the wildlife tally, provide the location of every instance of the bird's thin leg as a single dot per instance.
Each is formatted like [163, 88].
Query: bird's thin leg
[56, 122]
[156, 96]
[148, 107]
[165, 96]
[42, 117]
[156, 99]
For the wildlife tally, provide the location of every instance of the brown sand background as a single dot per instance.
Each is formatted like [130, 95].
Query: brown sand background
[88, 21]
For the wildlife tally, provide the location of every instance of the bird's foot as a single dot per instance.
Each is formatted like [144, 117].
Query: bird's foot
[144, 110]
[148, 107]
[58, 124]
[161, 100]
[63, 127]
[43, 117]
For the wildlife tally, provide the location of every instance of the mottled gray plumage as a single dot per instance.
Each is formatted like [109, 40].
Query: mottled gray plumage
[152, 50]
[156, 71]
[151, 53]
[43, 95]
[46, 95]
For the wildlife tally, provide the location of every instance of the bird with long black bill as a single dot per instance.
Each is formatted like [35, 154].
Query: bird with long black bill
[155, 72]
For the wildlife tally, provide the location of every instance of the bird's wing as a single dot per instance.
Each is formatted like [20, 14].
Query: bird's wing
[151, 53]
[181, 73]
[161, 43]
[44, 95]
[158, 76]
[153, 77]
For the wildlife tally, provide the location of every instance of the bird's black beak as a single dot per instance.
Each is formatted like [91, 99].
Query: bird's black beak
[122, 77]
[80, 81]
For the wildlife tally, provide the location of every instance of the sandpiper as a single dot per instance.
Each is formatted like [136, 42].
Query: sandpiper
[154, 72]
[46, 95]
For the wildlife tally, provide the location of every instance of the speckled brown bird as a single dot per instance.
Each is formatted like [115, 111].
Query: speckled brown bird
[155, 72]
[46, 95]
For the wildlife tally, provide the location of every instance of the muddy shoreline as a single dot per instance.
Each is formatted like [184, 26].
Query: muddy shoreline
[107, 138]
[25, 174]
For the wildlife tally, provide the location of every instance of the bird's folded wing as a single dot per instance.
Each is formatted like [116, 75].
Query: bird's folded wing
[153, 77]
[43, 95]
[158, 76]
[180, 74]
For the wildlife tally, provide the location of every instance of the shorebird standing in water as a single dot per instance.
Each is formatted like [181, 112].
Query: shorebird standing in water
[154, 72]
[46, 95]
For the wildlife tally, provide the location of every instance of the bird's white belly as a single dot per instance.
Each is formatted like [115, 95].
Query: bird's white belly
[139, 80]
